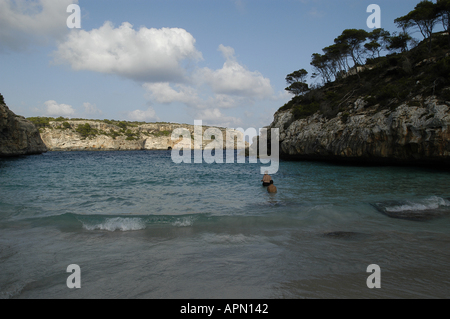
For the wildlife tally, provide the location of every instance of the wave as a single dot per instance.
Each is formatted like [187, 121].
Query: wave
[118, 223]
[420, 210]
[427, 204]
[134, 223]
[75, 222]
[70, 222]
[282, 214]
[184, 221]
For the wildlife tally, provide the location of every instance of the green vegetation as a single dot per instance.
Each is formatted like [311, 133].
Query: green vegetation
[353, 67]
[2, 100]
[425, 16]
[122, 128]
[85, 130]
[113, 134]
[44, 122]
[123, 125]
[161, 133]
[41, 122]
[297, 82]
[131, 136]
[303, 111]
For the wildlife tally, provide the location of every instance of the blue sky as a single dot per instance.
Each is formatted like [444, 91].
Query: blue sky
[220, 61]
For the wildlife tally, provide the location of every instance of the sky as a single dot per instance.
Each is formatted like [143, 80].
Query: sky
[220, 61]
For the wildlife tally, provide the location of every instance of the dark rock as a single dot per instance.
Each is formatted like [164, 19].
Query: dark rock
[406, 135]
[18, 136]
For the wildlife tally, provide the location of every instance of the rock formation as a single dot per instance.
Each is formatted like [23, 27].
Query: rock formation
[151, 136]
[406, 134]
[18, 136]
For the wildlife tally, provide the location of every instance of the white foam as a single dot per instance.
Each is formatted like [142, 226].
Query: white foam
[429, 203]
[184, 222]
[118, 223]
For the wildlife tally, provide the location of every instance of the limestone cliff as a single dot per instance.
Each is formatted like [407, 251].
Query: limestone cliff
[407, 134]
[66, 136]
[18, 136]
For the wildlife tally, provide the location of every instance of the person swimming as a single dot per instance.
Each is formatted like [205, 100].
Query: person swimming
[272, 189]
[267, 180]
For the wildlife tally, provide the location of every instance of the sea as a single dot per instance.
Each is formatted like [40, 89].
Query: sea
[139, 226]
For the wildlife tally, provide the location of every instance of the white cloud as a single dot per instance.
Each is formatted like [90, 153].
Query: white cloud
[227, 52]
[282, 96]
[55, 109]
[24, 22]
[229, 87]
[150, 55]
[191, 96]
[91, 109]
[235, 79]
[165, 93]
[226, 101]
[215, 117]
[139, 115]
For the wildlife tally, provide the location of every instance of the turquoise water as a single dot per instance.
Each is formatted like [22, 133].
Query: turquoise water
[140, 226]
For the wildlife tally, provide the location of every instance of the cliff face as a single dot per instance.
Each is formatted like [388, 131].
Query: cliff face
[407, 134]
[18, 136]
[112, 137]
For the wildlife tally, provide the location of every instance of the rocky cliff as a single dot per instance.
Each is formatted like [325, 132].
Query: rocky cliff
[18, 136]
[417, 134]
[70, 136]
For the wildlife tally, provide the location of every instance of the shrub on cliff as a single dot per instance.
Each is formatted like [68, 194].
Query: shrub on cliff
[161, 133]
[2, 101]
[303, 111]
[131, 136]
[86, 130]
[113, 134]
[40, 122]
[123, 125]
